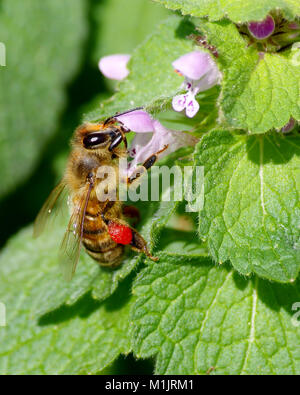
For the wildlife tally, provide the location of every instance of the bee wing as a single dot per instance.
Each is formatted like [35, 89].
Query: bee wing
[45, 213]
[71, 243]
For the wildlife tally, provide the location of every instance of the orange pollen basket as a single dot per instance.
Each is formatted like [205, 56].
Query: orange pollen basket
[121, 234]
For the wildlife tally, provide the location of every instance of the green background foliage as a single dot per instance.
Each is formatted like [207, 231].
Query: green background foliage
[237, 11]
[260, 91]
[220, 299]
[34, 82]
[251, 209]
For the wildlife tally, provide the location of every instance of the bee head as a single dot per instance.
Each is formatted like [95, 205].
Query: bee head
[99, 136]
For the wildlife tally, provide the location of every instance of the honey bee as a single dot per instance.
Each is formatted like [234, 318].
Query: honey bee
[99, 226]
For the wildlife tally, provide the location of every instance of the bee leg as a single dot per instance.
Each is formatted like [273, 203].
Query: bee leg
[123, 127]
[116, 142]
[138, 244]
[112, 121]
[145, 166]
[132, 212]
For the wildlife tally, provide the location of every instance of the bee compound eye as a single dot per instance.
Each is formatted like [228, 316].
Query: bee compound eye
[94, 139]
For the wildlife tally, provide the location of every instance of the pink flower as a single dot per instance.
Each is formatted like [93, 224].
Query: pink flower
[139, 121]
[151, 137]
[289, 126]
[262, 30]
[201, 73]
[114, 66]
[187, 102]
[294, 26]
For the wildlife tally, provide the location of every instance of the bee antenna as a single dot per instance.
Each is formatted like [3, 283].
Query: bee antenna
[122, 113]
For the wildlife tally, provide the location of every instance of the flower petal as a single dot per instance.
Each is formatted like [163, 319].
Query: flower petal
[208, 81]
[263, 29]
[157, 141]
[192, 107]
[294, 26]
[193, 65]
[179, 102]
[140, 140]
[289, 126]
[114, 66]
[138, 121]
[174, 138]
[140, 150]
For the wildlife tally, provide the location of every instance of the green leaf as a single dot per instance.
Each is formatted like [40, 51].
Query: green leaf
[259, 92]
[251, 202]
[79, 339]
[42, 57]
[197, 318]
[38, 260]
[152, 81]
[270, 98]
[237, 11]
